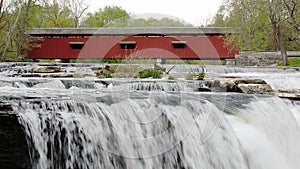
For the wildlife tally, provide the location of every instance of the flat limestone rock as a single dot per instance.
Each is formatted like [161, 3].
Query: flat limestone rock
[240, 85]
[255, 88]
[294, 96]
[48, 69]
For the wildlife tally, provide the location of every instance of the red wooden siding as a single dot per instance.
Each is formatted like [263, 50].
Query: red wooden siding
[197, 47]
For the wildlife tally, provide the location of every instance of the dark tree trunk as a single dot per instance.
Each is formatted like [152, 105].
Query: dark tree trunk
[22, 44]
[279, 42]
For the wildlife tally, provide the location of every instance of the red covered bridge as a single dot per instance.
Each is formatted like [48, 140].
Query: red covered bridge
[138, 43]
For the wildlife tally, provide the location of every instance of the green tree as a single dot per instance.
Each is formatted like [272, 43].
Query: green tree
[13, 12]
[18, 15]
[104, 17]
[253, 24]
[21, 36]
[37, 17]
[152, 22]
[292, 30]
[264, 23]
[292, 7]
[57, 15]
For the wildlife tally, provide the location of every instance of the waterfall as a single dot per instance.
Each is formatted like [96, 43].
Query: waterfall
[219, 70]
[274, 123]
[114, 84]
[91, 123]
[160, 85]
[294, 105]
[141, 129]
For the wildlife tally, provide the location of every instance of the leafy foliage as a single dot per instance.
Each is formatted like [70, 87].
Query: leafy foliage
[265, 24]
[105, 17]
[104, 75]
[152, 22]
[254, 18]
[16, 16]
[190, 76]
[171, 78]
[154, 73]
[201, 76]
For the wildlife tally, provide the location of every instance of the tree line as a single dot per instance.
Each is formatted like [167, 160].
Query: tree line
[265, 25]
[16, 16]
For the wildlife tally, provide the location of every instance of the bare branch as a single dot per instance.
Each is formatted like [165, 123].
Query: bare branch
[291, 8]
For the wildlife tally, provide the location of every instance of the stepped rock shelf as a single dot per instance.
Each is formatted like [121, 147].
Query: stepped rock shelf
[250, 80]
[46, 117]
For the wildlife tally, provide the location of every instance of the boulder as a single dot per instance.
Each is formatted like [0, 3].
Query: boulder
[57, 75]
[255, 88]
[47, 69]
[249, 81]
[239, 85]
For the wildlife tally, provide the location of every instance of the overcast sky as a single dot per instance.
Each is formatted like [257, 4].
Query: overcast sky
[196, 12]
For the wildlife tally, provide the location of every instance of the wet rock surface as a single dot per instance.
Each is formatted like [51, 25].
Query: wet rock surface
[240, 85]
[255, 88]
[81, 75]
[47, 69]
[256, 59]
[14, 153]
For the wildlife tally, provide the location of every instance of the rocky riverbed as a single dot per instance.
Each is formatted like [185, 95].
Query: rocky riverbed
[279, 81]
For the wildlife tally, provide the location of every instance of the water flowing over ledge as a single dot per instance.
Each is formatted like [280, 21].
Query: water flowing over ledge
[107, 129]
[147, 123]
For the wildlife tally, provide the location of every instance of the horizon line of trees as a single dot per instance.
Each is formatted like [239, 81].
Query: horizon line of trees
[265, 25]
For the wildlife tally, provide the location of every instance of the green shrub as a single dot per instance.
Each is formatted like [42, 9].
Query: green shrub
[154, 73]
[104, 75]
[201, 76]
[171, 78]
[189, 76]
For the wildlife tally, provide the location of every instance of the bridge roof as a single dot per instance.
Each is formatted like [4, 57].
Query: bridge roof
[128, 31]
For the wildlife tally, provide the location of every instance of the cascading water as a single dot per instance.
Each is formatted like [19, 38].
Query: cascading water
[113, 84]
[107, 129]
[91, 123]
[294, 106]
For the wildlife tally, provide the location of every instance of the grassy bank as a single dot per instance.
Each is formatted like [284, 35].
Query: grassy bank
[293, 62]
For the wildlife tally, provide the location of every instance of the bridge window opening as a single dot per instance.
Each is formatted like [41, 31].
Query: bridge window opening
[179, 44]
[127, 44]
[76, 45]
